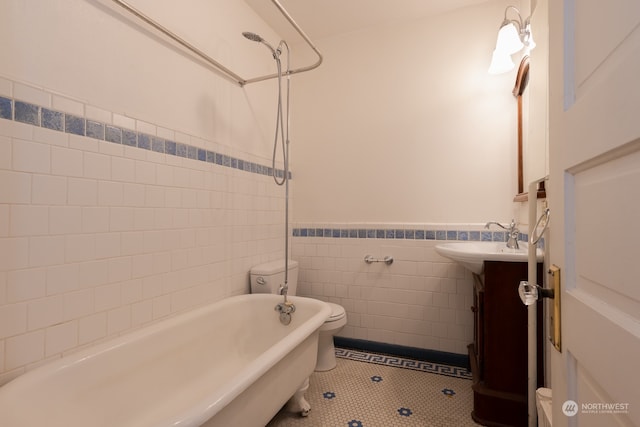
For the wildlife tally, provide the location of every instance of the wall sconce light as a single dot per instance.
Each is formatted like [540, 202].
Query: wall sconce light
[513, 35]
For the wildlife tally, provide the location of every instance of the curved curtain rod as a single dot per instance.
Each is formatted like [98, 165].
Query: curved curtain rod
[215, 64]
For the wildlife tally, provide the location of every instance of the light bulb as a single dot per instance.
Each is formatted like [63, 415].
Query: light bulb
[500, 62]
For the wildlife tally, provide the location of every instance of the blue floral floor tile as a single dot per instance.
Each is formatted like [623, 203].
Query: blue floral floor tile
[328, 395]
[405, 412]
[448, 392]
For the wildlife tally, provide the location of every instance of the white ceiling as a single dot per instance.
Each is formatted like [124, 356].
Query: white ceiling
[324, 18]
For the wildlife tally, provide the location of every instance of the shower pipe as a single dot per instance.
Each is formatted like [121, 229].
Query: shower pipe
[283, 130]
[215, 64]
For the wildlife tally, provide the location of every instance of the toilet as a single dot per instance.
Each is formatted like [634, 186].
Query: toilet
[269, 278]
[326, 349]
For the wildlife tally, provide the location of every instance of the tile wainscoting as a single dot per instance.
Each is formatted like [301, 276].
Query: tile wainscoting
[421, 300]
[108, 223]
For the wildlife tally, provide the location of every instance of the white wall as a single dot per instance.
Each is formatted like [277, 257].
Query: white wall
[98, 238]
[402, 131]
[403, 124]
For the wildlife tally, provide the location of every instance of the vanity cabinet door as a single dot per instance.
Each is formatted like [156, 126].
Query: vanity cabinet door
[505, 328]
[500, 347]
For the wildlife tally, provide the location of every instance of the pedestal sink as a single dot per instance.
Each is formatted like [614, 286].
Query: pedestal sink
[472, 255]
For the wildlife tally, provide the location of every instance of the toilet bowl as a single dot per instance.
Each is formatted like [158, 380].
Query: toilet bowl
[269, 278]
[326, 349]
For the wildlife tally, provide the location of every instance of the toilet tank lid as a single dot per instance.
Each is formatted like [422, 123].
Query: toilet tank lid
[273, 267]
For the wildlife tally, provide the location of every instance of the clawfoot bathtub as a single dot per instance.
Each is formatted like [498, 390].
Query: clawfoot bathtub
[231, 363]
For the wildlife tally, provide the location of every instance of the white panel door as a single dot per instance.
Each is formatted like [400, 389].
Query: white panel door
[594, 195]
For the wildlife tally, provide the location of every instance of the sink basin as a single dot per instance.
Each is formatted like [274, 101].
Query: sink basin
[472, 255]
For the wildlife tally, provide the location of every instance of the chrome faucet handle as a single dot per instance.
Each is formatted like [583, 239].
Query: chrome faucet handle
[494, 222]
[498, 224]
[513, 231]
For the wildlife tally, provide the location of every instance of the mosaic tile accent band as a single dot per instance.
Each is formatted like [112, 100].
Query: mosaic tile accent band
[406, 234]
[400, 362]
[24, 112]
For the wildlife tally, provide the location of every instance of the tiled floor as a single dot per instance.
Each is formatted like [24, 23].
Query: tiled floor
[371, 390]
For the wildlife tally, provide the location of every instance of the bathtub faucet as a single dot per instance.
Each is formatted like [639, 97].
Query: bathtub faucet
[512, 243]
[285, 308]
[283, 291]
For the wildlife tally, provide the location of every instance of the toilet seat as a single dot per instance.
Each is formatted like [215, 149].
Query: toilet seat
[337, 312]
[336, 320]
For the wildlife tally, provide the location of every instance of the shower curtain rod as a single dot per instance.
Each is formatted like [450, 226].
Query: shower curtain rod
[215, 64]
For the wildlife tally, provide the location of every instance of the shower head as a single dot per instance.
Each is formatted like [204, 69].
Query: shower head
[256, 38]
[252, 36]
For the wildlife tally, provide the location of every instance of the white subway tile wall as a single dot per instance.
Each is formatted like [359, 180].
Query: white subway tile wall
[108, 223]
[421, 300]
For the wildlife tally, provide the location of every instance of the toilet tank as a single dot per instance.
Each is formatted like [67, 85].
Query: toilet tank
[269, 277]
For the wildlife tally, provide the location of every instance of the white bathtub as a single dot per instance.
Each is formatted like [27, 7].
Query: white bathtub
[228, 364]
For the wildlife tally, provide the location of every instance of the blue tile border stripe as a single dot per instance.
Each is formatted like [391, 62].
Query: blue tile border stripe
[24, 112]
[405, 234]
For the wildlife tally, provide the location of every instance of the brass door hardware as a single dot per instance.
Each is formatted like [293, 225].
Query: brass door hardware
[554, 323]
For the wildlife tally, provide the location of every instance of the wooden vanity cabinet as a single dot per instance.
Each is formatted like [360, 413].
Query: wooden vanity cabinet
[498, 354]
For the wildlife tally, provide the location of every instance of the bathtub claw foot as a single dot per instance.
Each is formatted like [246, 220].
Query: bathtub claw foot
[305, 411]
[298, 403]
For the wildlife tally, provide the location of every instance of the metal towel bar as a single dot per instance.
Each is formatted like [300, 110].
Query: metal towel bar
[215, 64]
[370, 259]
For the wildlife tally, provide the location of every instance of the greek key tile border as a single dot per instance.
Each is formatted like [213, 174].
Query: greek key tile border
[400, 362]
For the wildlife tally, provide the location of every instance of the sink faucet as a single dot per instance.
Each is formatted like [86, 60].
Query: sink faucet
[512, 243]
